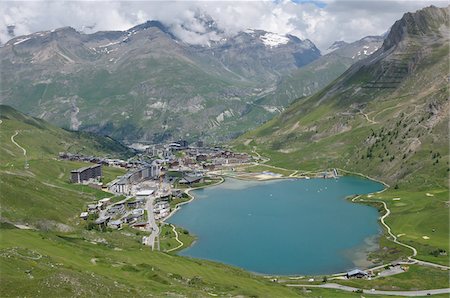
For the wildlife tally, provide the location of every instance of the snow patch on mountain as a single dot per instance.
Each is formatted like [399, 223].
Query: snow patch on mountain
[22, 40]
[366, 52]
[273, 40]
[271, 109]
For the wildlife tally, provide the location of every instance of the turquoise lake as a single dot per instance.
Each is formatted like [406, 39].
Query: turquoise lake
[284, 226]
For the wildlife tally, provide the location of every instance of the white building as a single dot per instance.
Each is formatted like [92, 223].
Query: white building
[144, 194]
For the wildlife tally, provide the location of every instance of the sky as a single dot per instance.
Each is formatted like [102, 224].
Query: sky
[323, 22]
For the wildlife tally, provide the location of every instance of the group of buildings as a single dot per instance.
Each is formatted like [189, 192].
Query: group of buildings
[111, 162]
[124, 184]
[86, 174]
[114, 215]
[197, 156]
[154, 177]
[211, 159]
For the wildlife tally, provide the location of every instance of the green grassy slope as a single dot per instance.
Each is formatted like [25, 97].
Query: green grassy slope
[45, 264]
[42, 139]
[39, 194]
[386, 117]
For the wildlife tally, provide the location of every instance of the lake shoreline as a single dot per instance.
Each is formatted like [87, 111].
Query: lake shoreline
[223, 179]
[192, 197]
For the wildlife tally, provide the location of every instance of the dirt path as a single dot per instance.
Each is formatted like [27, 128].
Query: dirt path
[15, 143]
[177, 239]
[367, 117]
[394, 238]
[293, 174]
[23, 149]
[388, 228]
[263, 159]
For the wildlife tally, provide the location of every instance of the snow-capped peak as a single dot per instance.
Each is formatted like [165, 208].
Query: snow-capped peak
[273, 39]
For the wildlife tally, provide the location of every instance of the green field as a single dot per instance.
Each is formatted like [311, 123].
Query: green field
[167, 238]
[416, 277]
[48, 264]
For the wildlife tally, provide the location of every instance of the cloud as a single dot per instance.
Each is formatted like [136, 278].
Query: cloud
[323, 22]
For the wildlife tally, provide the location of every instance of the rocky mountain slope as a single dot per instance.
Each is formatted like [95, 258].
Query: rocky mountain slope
[386, 116]
[144, 83]
[309, 79]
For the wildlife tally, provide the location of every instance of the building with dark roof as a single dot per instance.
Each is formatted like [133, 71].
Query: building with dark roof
[191, 180]
[356, 273]
[85, 174]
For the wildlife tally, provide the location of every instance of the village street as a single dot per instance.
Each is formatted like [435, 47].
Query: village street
[152, 226]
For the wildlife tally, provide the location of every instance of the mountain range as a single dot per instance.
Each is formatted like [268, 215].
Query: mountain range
[146, 85]
[386, 116]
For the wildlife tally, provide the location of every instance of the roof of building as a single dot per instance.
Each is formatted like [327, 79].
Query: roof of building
[85, 168]
[134, 215]
[162, 203]
[115, 222]
[101, 220]
[140, 223]
[138, 211]
[189, 179]
[357, 271]
[145, 192]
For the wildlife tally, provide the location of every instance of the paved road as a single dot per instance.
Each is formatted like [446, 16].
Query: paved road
[154, 229]
[423, 263]
[377, 292]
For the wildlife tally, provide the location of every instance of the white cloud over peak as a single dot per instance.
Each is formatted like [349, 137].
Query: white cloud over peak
[322, 23]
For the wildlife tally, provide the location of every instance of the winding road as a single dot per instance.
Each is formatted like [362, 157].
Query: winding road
[15, 143]
[23, 149]
[395, 238]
